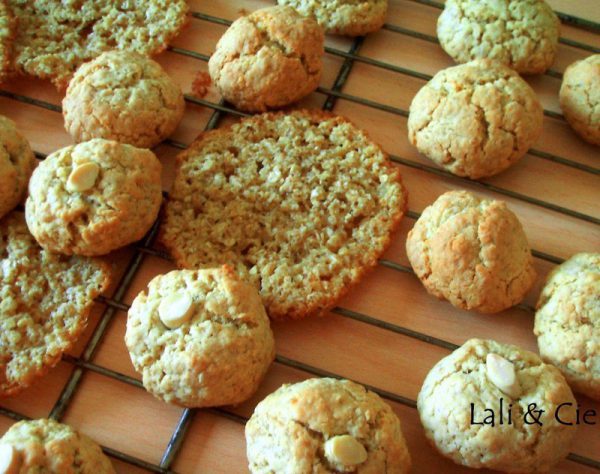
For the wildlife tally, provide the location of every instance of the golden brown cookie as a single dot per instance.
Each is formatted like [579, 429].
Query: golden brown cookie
[7, 35]
[268, 59]
[472, 252]
[302, 204]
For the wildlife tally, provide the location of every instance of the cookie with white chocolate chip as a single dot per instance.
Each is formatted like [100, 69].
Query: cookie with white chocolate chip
[200, 337]
[484, 375]
[94, 197]
[327, 426]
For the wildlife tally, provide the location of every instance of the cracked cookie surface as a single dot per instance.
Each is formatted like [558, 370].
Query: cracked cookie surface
[16, 164]
[289, 430]
[580, 97]
[49, 447]
[45, 300]
[461, 379]
[117, 209]
[475, 119]
[268, 59]
[302, 204]
[122, 96]
[472, 252]
[54, 38]
[522, 34]
[218, 355]
[567, 322]
[343, 17]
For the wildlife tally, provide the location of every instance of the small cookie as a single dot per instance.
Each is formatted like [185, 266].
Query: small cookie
[47, 446]
[343, 17]
[580, 97]
[16, 164]
[94, 197]
[301, 204]
[54, 38]
[45, 299]
[476, 119]
[472, 252]
[326, 426]
[200, 338]
[522, 34]
[7, 34]
[268, 59]
[567, 322]
[476, 377]
[122, 96]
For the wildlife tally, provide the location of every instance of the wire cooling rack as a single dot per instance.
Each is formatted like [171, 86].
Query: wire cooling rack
[111, 305]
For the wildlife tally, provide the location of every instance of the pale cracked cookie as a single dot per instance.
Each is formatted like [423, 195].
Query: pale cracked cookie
[343, 17]
[567, 322]
[49, 447]
[472, 252]
[580, 97]
[482, 372]
[54, 38]
[302, 204]
[7, 34]
[45, 299]
[476, 119]
[122, 96]
[94, 197]
[268, 59]
[325, 426]
[200, 337]
[16, 164]
[522, 34]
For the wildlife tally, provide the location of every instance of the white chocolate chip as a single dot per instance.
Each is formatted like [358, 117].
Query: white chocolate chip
[345, 450]
[501, 373]
[9, 459]
[175, 309]
[83, 177]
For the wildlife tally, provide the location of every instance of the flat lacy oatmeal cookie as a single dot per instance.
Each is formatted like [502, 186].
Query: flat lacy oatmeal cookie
[200, 337]
[7, 34]
[268, 59]
[45, 300]
[475, 378]
[580, 97]
[122, 96]
[325, 426]
[54, 38]
[343, 17]
[46, 446]
[301, 204]
[475, 119]
[472, 252]
[567, 322]
[94, 197]
[523, 34]
[16, 164]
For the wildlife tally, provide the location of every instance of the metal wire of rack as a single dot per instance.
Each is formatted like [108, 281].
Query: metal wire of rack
[144, 248]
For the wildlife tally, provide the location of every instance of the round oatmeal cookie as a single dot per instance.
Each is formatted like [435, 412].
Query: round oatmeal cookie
[476, 119]
[472, 252]
[50, 447]
[7, 34]
[200, 337]
[487, 375]
[45, 299]
[567, 322]
[54, 38]
[268, 59]
[522, 34]
[301, 204]
[122, 96]
[327, 426]
[343, 17]
[16, 164]
[94, 197]
[580, 97]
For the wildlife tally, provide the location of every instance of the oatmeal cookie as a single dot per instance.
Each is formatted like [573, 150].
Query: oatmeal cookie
[7, 34]
[302, 204]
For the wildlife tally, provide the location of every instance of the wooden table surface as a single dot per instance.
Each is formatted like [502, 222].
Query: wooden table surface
[388, 332]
